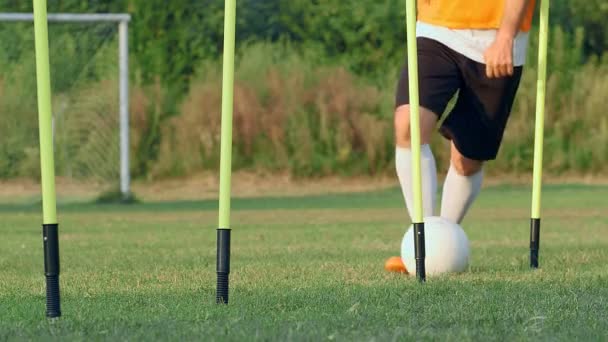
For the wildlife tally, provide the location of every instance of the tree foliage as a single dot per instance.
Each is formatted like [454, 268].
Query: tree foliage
[169, 38]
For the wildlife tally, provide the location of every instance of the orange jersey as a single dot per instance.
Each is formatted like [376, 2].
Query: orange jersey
[469, 14]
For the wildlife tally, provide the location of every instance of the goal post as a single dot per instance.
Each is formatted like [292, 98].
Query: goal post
[122, 21]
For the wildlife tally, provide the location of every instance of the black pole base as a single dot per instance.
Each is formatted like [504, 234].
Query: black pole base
[50, 239]
[420, 251]
[223, 266]
[534, 241]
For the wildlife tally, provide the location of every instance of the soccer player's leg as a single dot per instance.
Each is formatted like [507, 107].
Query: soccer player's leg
[476, 127]
[439, 79]
[403, 158]
[461, 186]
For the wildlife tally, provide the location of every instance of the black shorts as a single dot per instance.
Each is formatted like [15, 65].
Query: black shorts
[477, 122]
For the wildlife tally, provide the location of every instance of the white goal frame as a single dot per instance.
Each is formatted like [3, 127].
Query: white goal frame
[122, 19]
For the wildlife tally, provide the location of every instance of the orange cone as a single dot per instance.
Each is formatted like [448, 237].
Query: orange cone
[395, 264]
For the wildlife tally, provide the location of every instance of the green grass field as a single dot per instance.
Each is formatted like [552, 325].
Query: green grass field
[308, 268]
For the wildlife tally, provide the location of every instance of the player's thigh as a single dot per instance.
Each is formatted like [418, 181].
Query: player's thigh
[477, 123]
[439, 79]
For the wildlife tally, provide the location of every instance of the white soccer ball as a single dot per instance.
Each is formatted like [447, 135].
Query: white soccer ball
[446, 244]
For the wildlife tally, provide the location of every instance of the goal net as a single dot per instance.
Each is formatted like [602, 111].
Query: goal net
[84, 59]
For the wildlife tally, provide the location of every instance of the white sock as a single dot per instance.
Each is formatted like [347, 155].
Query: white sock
[459, 192]
[403, 164]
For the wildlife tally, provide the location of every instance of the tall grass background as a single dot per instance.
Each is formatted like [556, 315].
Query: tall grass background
[296, 111]
[306, 116]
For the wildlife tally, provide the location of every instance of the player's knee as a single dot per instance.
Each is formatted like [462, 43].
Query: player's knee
[402, 126]
[465, 166]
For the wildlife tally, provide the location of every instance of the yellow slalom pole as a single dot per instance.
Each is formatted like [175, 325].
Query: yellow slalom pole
[47, 163]
[50, 227]
[412, 59]
[539, 133]
[223, 231]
